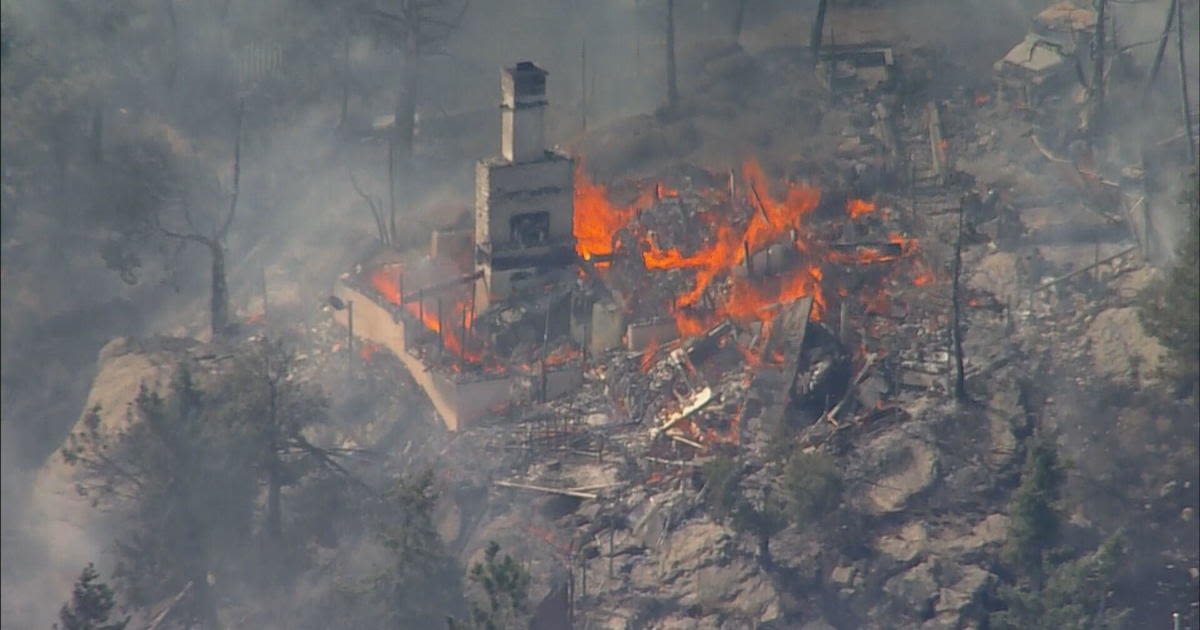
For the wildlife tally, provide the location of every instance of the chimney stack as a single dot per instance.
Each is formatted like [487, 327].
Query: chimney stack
[523, 103]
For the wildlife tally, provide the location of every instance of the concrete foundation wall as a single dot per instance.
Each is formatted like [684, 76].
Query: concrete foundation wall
[563, 381]
[461, 402]
[608, 326]
[372, 321]
[642, 335]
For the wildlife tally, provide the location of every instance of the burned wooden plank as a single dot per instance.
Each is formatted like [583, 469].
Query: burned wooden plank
[866, 253]
[562, 491]
[774, 383]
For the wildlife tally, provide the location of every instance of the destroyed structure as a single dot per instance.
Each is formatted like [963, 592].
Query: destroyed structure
[708, 280]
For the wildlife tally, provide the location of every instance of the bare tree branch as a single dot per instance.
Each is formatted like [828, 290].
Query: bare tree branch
[376, 212]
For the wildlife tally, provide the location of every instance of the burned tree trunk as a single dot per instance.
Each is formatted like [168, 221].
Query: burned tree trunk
[672, 85]
[97, 134]
[1095, 112]
[274, 474]
[1162, 48]
[173, 63]
[404, 123]
[391, 225]
[818, 30]
[739, 17]
[345, 106]
[220, 290]
[1183, 86]
[960, 386]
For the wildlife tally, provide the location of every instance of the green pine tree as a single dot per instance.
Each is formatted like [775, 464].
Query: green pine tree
[505, 587]
[1035, 518]
[91, 605]
[1171, 308]
[1075, 596]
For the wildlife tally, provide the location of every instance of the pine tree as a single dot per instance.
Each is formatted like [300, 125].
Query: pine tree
[1075, 596]
[1171, 308]
[1035, 518]
[91, 605]
[505, 587]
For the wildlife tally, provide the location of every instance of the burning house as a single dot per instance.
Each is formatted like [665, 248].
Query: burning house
[672, 271]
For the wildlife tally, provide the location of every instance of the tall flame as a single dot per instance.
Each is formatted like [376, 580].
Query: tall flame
[597, 220]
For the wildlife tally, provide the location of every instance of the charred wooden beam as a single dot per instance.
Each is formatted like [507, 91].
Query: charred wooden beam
[937, 142]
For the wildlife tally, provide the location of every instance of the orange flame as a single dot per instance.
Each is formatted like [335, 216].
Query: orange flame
[858, 207]
[729, 236]
[597, 220]
[456, 314]
[648, 355]
[771, 220]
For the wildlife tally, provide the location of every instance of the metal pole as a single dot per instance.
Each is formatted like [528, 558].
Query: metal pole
[583, 84]
[462, 342]
[842, 320]
[264, 294]
[441, 337]
[611, 533]
[545, 347]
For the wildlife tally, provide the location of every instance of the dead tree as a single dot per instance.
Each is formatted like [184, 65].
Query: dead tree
[215, 240]
[381, 225]
[672, 85]
[416, 28]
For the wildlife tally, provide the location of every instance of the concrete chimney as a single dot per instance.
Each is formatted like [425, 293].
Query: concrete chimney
[522, 106]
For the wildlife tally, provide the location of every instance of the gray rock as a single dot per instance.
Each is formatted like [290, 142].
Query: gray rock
[902, 465]
[915, 590]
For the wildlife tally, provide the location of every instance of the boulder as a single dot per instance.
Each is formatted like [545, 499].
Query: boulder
[902, 466]
[702, 567]
[907, 545]
[1121, 349]
[916, 590]
[996, 274]
[964, 592]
